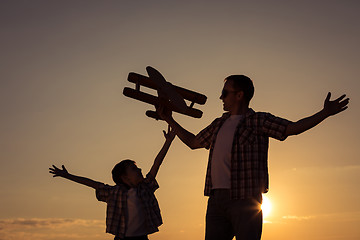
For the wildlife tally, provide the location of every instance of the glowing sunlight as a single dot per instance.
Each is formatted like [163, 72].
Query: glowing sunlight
[266, 206]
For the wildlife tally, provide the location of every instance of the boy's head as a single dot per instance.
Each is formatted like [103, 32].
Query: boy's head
[126, 172]
[236, 84]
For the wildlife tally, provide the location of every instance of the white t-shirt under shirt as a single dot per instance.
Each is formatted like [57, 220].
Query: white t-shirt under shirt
[221, 158]
[136, 225]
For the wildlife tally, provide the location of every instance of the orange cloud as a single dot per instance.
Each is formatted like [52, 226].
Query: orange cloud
[52, 228]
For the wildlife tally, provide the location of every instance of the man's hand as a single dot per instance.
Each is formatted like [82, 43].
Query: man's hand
[59, 172]
[330, 108]
[336, 106]
[164, 113]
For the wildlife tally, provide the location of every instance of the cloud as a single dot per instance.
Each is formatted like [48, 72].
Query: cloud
[350, 168]
[345, 168]
[299, 218]
[329, 217]
[47, 223]
[52, 229]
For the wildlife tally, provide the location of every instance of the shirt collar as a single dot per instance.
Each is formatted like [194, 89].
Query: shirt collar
[250, 112]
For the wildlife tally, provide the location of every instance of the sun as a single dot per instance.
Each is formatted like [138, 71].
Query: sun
[266, 206]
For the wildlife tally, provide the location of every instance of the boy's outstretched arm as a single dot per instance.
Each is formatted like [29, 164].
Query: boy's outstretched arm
[57, 172]
[169, 137]
[330, 108]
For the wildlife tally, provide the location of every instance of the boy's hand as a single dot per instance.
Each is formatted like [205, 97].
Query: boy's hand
[170, 134]
[59, 172]
[336, 106]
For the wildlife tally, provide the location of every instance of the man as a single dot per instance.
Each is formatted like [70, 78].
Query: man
[237, 172]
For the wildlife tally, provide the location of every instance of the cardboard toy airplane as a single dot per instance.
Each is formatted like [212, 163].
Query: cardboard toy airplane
[171, 96]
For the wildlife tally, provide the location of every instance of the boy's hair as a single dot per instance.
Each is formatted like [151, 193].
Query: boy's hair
[120, 170]
[243, 83]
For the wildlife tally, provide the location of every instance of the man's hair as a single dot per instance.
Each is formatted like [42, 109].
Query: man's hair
[243, 83]
[120, 170]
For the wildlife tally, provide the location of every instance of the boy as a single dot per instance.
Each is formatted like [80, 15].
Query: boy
[132, 209]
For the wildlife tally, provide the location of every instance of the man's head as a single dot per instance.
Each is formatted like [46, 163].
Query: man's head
[238, 90]
[126, 172]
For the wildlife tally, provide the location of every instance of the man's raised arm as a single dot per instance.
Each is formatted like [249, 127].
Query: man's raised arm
[185, 136]
[330, 108]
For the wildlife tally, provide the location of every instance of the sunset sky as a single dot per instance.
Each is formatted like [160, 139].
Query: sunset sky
[65, 63]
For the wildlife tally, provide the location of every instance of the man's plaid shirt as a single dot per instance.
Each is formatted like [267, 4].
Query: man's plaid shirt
[249, 154]
[116, 199]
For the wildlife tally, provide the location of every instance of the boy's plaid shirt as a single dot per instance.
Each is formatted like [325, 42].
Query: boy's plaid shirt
[116, 199]
[249, 154]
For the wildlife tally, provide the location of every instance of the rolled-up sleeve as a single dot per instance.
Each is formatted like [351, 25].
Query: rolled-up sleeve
[103, 192]
[151, 182]
[275, 127]
[204, 137]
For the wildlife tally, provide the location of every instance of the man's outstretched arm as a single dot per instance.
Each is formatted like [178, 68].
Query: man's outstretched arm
[57, 172]
[330, 108]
